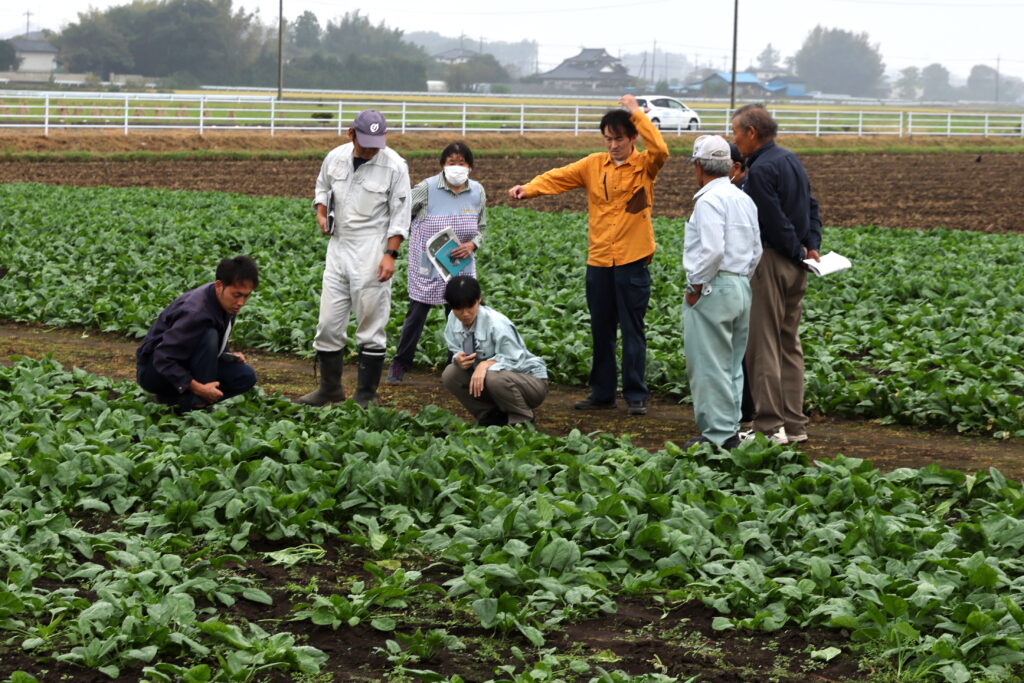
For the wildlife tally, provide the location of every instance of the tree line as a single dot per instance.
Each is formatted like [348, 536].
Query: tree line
[839, 61]
[188, 42]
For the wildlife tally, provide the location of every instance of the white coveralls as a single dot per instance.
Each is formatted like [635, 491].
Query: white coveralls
[371, 205]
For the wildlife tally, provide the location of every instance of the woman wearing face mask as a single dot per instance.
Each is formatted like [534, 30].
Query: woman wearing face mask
[447, 200]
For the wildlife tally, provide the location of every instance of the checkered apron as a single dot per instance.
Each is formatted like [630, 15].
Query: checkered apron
[444, 210]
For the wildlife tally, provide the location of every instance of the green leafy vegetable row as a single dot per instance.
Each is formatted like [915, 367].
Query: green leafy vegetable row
[537, 530]
[925, 329]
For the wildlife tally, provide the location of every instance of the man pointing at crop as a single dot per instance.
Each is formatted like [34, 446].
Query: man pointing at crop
[620, 191]
[363, 205]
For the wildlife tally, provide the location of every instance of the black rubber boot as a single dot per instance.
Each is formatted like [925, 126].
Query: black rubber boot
[371, 365]
[330, 390]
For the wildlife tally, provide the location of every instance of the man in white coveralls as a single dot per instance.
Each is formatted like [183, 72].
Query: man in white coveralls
[363, 204]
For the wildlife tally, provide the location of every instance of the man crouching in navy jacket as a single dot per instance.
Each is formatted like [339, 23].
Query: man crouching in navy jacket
[184, 358]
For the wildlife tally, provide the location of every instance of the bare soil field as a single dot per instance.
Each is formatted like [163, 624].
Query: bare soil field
[115, 141]
[958, 190]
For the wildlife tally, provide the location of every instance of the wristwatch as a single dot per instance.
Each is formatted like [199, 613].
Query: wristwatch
[704, 290]
[393, 253]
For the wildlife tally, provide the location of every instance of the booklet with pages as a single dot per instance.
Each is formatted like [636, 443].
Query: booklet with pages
[832, 262]
[439, 250]
[330, 213]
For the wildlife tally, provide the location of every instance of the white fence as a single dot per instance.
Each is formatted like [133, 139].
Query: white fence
[58, 111]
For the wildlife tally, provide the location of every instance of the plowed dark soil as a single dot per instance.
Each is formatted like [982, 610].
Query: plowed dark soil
[960, 191]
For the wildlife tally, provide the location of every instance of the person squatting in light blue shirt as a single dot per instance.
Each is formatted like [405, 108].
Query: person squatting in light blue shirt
[492, 374]
[721, 248]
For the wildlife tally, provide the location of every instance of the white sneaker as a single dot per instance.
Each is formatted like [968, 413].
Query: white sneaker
[778, 437]
[798, 438]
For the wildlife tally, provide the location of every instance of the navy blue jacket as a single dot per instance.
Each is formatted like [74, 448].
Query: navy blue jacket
[786, 210]
[173, 338]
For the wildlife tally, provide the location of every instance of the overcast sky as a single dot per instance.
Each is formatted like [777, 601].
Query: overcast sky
[955, 33]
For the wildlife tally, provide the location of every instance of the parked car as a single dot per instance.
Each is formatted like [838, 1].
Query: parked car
[667, 112]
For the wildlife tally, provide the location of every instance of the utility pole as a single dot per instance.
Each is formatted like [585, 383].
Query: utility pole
[735, 34]
[654, 64]
[280, 49]
[997, 78]
[27, 15]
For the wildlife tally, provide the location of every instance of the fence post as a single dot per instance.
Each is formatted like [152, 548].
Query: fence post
[46, 115]
[860, 123]
[910, 123]
[576, 122]
[126, 115]
[817, 123]
[340, 107]
[949, 124]
[522, 119]
[900, 131]
[986, 125]
[403, 116]
[202, 113]
[273, 114]
[463, 119]
[1021, 128]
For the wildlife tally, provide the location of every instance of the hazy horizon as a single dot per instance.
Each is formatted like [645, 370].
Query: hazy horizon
[955, 33]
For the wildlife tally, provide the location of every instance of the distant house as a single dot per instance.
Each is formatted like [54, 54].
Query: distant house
[591, 69]
[719, 83]
[35, 55]
[787, 86]
[456, 55]
[765, 75]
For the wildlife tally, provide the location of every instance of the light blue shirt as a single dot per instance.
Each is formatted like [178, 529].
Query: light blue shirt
[496, 339]
[722, 233]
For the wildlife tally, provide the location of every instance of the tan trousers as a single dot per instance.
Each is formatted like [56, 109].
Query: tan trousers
[775, 358]
[513, 393]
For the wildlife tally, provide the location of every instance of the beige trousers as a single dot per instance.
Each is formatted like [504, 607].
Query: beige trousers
[513, 393]
[775, 358]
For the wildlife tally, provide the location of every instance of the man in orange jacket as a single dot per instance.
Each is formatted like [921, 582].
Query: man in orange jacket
[620, 191]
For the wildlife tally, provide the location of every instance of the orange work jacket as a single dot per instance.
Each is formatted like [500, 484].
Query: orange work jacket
[619, 196]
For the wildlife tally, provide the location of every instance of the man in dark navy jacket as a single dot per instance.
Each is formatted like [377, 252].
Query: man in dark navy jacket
[184, 358]
[790, 224]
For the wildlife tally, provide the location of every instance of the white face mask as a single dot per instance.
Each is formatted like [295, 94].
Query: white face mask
[456, 175]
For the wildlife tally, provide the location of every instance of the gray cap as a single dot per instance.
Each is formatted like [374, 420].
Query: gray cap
[371, 129]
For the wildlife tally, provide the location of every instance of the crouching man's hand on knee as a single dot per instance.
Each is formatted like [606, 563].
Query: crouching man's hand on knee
[209, 392]
[476, 382]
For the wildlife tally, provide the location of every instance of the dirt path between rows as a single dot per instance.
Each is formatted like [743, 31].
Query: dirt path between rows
[887, 446]
[924, 191]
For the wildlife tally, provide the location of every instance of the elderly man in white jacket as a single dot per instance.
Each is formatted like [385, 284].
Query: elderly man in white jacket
[722, 246]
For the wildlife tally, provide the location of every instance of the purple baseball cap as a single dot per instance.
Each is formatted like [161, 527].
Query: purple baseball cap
[371, 129]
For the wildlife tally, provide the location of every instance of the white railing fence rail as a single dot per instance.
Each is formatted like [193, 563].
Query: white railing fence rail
[127, 112]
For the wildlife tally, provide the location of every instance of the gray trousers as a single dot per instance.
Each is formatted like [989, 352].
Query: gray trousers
[513, 393]
[715, 333]
[775, 358]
